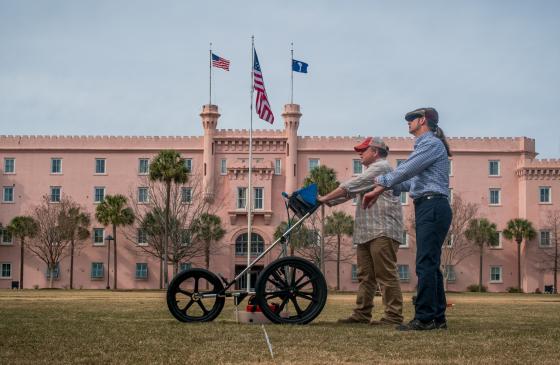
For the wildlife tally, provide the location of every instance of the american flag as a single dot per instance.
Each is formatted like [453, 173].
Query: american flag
[220, 62]
[261, 102]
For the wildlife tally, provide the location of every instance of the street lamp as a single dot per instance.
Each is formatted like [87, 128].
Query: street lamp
[109, 238]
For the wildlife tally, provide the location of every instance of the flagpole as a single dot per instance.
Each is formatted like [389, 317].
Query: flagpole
[250, 193]
[210, 69]
[292, 68]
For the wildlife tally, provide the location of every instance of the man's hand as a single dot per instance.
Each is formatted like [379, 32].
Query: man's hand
[371, 197]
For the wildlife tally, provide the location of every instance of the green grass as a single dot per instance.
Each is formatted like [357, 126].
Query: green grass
[43, 326]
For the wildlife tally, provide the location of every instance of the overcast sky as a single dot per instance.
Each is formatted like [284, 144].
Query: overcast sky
[124, 67]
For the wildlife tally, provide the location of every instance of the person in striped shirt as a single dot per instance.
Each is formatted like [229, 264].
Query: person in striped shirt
[425, 175]
[378, 232]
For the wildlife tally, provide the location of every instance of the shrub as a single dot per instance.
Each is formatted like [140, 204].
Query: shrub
[513, 289]
[538, 291]
[474, 288]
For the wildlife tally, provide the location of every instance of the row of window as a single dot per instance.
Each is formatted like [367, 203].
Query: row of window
[100, 165]
[98, 194]
[448, 273]
[545, 238]
[97, 270]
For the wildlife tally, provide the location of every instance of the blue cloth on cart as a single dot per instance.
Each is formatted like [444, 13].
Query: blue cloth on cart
[304, 200]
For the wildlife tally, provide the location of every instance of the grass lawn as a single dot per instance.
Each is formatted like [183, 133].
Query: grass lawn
[43, 326]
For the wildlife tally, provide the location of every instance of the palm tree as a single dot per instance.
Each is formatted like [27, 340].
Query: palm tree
[300, 237]
[519, 229]
[481, 233]
[208, 229]
[168, 167]
[114, 211]
[339, 224]
[75, 224]
[23, 227]
[325, 178]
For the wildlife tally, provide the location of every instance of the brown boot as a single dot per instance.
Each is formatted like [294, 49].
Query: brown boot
[352, 320]
[385, 322]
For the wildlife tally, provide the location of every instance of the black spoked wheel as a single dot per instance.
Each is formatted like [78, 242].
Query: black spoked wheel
[186, 298]
[291, 290]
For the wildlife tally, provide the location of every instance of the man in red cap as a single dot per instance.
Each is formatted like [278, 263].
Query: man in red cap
[377, 233]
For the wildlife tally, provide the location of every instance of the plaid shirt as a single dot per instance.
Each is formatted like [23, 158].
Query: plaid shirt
[385, 217]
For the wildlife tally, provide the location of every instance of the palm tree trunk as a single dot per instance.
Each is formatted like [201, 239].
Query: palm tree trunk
[322, 240]
[71, 263]
[518, 264]
[51, 271]
[480, 270]
[338, 262]
[166, 235]
[22, 252]
[114, 257]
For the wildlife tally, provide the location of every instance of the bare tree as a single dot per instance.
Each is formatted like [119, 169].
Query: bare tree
[456, 246]
[550, 257]
[50, 244]
[186, 205]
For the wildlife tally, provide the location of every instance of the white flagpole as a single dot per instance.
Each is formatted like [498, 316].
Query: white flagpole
[210, 66]
[249, 192]
[292, 69]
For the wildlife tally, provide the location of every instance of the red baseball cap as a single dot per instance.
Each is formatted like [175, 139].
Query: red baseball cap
[371, 142]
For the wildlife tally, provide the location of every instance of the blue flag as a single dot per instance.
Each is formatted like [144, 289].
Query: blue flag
[299, 66]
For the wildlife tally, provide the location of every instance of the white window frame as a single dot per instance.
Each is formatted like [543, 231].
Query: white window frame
[355, 199]
[490, 168]
[406, 239]
[140, 161]
[102, 243]
[59, 172]
[51, 200]
[309, 168]
[136, 271]
[5, 164]
[354, 273]
[3, 231]
[406, 277]
[102, 271]
[189, 165]
[450, 242]
[549, 188]
[185, 266]
[223, 166]
[95, 194]
[450, 269]
[357, 162]
[541, 238]
[256, 197]
[4, 194]
[499, 245]
[140, 233]
[186, 195]
[143, 196]
[501, 279]
[2, 270]
[499, 190]
[241, 199]
[277, 166]
[450, 197]
[450, 166]
[405, 200]
[104, 166]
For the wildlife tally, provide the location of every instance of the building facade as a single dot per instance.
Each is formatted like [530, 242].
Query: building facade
[501, 175]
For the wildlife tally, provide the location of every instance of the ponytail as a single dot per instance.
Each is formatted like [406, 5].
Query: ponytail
[438, 132]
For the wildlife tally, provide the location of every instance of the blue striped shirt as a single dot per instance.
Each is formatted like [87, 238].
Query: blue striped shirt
[425, 171]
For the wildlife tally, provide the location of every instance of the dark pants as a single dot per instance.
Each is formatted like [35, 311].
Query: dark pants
[433, 218]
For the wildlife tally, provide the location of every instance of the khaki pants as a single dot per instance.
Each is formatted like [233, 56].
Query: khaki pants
[377, 264]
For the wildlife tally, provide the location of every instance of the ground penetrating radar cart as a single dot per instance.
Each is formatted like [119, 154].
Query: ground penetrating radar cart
[289, 290]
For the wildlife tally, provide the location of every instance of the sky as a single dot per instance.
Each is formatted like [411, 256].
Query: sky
[124, 67]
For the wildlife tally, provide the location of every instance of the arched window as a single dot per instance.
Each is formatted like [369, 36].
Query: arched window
[257, 244]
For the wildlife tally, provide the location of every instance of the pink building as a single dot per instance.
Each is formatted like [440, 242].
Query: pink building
[500, 174]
